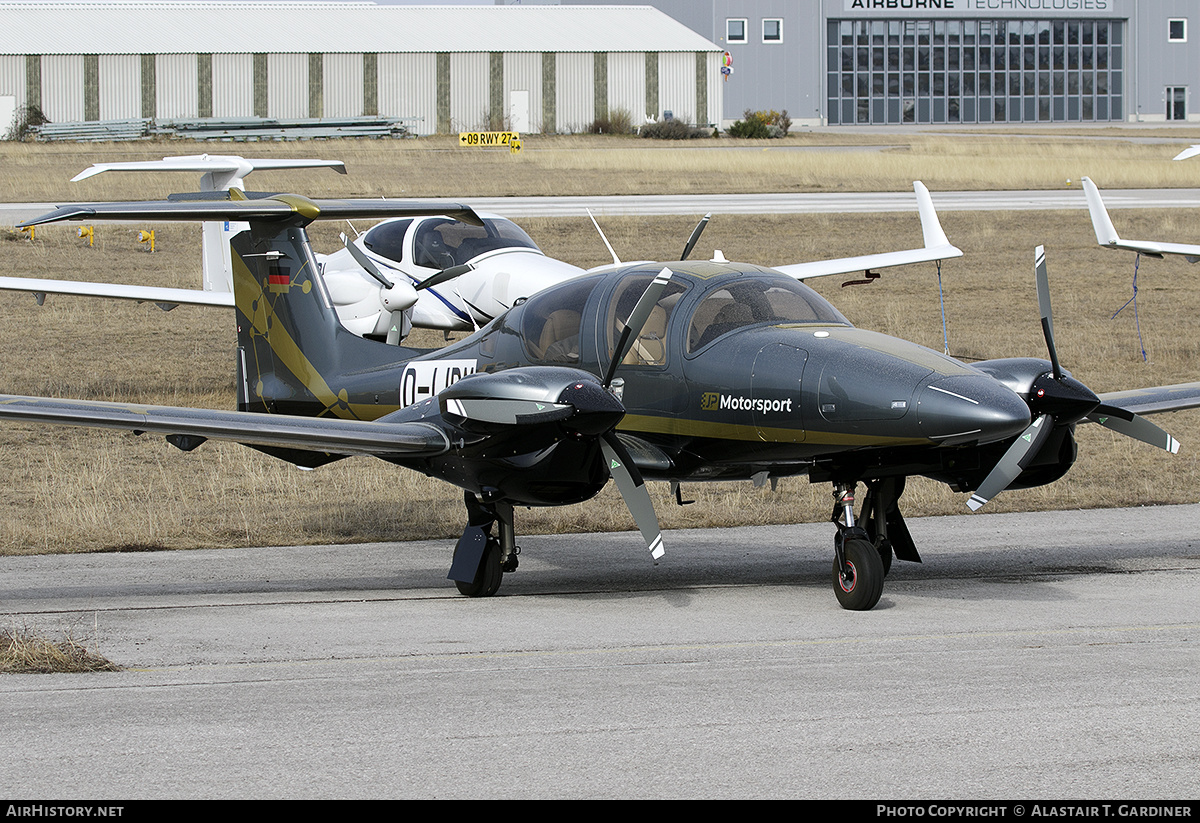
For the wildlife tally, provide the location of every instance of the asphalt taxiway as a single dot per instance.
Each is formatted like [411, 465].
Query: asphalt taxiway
[1030, 656]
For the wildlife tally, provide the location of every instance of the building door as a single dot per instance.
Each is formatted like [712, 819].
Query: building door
[1177, 102]
[518, 111]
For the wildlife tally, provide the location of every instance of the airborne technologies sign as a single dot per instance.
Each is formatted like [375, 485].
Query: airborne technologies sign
[1086, 6]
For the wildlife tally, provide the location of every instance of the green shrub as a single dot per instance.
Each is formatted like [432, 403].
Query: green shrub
[27, 117]
[761, 125]
[618, 121]
[672, 130]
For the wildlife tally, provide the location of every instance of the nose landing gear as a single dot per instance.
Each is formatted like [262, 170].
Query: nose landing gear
[857, 566]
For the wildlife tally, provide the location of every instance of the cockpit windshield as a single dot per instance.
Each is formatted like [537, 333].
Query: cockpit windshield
[442, 243]
[757, 300]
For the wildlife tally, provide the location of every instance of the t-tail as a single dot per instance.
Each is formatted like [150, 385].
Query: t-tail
[294, 356]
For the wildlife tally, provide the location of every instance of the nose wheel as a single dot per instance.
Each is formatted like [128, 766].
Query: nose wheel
[858, 570]
[481, 560]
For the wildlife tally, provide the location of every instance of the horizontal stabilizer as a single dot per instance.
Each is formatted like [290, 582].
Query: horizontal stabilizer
[937, 247]
[281, 208]
[221, 171]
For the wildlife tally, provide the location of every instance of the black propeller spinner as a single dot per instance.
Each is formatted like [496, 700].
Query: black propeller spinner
[1057, 399]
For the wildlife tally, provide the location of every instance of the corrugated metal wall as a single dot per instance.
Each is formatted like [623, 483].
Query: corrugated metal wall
[573, 93]
[408, 88]
[287, 85]
[233, 85]
[120, 86]
[677, 85]
[12, 77]
[475, 86]
[627, 84]
[342, 85]
[469, 87]
[63, 88]
[176, 85]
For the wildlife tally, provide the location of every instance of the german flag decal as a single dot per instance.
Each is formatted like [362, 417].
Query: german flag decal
[279, 279]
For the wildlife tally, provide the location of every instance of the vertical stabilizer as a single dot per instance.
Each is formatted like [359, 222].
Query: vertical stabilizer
[294, 356]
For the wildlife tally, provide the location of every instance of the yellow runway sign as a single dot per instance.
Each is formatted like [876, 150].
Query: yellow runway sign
[491, 140]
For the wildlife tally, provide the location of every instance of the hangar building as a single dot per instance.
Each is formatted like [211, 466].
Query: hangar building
[954, 61]
[445, 69]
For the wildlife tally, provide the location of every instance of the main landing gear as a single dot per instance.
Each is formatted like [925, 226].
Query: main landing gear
[863, 548]
[480, 560]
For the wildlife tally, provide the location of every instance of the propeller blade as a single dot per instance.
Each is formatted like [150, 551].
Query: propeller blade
[368, 265]
[1043, 293]
[696, 232]
[633, 490]
[1009, 467]
[1131, 425]
[445, 275]
[637, 319]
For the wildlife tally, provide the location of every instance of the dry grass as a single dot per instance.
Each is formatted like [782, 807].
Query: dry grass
[596, 165]
[25, 651]
[80, 490]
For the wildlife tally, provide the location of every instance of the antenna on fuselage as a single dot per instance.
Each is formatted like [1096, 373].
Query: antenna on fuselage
[616, 260]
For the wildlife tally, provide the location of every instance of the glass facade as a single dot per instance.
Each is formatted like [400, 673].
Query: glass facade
[974, 71]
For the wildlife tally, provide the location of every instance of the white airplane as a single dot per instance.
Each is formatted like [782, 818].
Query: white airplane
[395, 276]
[1106, 233]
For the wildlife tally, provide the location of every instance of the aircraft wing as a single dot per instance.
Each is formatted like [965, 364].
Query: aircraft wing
[1155, 400]
[1190, 151]
[320, 434]
[937, 247]
[165, 297]
[1106, 233]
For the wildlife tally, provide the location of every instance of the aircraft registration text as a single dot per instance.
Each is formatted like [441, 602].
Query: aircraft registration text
[423, 380]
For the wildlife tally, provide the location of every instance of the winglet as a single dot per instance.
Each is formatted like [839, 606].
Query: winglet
[1107, 237]
[931, 227]
[1106, 232]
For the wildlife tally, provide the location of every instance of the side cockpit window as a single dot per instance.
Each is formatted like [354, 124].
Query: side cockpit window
[550, 322]
[650, 345]
[756, 301]
[441, 244]
[387, 239]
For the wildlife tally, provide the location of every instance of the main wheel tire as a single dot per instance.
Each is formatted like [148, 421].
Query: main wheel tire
[859, 586]
[488, 577]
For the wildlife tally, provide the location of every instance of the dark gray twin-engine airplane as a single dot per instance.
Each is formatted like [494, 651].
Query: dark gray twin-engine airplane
[681, 371]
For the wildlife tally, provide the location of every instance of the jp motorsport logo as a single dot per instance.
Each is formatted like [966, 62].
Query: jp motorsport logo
[715, 401]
